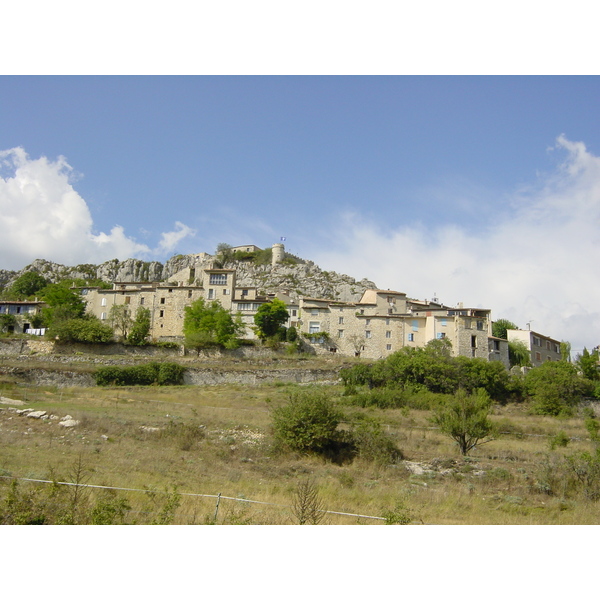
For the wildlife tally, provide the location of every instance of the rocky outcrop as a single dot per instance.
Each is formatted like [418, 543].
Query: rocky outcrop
[298, 277]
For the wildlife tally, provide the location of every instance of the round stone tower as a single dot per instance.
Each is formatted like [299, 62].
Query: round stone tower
[278, 254]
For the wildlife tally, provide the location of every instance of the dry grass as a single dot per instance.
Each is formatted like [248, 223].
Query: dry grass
[211, 440]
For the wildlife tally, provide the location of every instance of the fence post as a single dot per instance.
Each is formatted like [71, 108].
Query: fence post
[217, 507]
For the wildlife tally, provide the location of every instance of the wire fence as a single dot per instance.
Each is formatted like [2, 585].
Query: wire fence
[217, 497]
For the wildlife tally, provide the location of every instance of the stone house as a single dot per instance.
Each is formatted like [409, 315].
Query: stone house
[541, 348]
[23, 311]
[384, 321]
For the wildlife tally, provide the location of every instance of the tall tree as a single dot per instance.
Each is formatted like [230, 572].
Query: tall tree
[587, 362]
[209, 324]
[270, 317]
[27, 285]
[501, 326]
[119, 318]
[140, 328]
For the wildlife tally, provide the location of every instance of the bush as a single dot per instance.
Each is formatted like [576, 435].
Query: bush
[372, 443]
[555, 388]
[307, 423]
[148, 374]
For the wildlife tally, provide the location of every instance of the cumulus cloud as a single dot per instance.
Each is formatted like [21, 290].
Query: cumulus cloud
[42, 216]
[169, 240]
[537, 263]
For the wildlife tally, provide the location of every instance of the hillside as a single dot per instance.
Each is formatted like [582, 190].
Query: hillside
[300, 277]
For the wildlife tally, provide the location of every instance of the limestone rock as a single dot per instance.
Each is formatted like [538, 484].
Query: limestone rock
[69, 423]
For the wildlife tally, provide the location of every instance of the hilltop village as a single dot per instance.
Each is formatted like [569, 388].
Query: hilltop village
[374, 324]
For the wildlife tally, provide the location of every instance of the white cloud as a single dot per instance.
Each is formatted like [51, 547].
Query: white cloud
[537, 263]
[170, 239]
[42, 216]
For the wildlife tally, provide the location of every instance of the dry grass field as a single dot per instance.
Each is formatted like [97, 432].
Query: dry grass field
[175, 449]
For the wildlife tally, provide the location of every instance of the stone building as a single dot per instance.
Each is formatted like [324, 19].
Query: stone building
[541, 348]
[380, 323]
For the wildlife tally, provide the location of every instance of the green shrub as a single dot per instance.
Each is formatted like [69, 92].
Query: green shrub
[147, 374]
[372, 443]
[307, 423]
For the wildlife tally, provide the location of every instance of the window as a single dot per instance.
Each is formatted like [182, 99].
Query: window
[218, 279]
[441, 336]
[142, 300]
[18, 310]
[367, 334]
[556, 348]
[391, 300]
[211, 294]
[170, 290]
[244, 292]
[314, 311]
[473, 341]
[314, 327]
[548, 345]
[189, 293]
[415, 325]
[496, 346]
[244, 306]
[538, 356]
[127, 299]
[225, 292]
[411, 337]
[388, 334]
[536, 341]
[103, 302]
[103, 316]
[162, 300]
[388, 347]
[387, 321]
[340, 333]
[480, 325]
[294, 312]
[161, 313]
[367, 322]
[444, 322]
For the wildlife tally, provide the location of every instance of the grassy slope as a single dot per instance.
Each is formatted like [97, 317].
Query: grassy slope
[498, 484]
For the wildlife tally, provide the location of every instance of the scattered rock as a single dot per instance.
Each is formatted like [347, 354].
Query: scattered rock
[67, 418]
[5, 400]
[36, 414]
[69, 422]
[104, 437]
[149, 429]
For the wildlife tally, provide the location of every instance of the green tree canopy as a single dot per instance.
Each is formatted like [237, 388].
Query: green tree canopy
[555, 388]
[465, 418]
[501, 326]
[28, 284]
[209, 324]
[87, 329]
[587, 362]
[270, 317]
[119, 318]
[140, 328]
[518, 354]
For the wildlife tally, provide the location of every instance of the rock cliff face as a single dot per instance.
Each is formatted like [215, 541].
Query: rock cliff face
[303, 278]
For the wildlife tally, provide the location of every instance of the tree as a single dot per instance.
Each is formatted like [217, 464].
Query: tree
[588, 364]
[565, 351]
[27, 285]
[518, 354]
[6, 322]
[63, 304]
[555, 388]
[87, 329]
[209, 324]
[119, 318]
[501, 326]
[465, 418]
[270, 317]
[140, 328]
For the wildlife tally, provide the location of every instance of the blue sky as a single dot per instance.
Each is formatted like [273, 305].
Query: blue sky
[480, 189]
